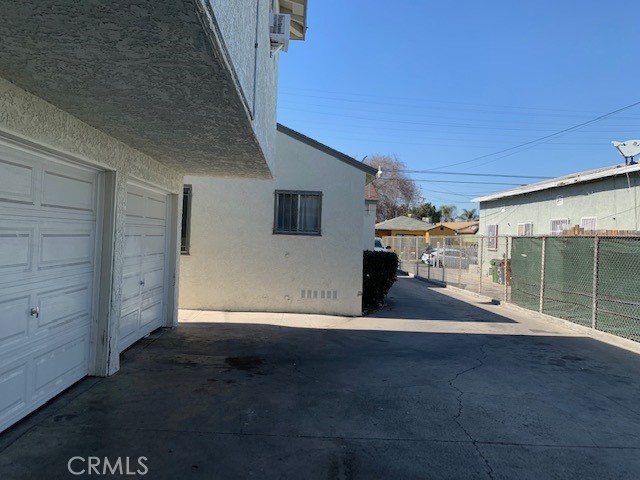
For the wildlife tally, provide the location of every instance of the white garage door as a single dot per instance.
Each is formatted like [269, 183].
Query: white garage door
[143, 283]
[47, 260]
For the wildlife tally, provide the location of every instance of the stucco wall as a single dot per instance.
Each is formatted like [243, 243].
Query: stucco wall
[237, 22]
[237, 263]
[610, 200]
[30, 117]
[369, 225]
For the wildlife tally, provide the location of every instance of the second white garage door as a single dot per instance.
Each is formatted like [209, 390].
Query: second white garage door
[144, 271]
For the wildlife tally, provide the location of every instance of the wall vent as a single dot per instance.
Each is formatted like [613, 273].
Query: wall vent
[319, 294]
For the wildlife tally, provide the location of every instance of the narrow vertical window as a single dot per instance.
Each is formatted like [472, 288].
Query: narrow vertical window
[492, 237]
[185, 234]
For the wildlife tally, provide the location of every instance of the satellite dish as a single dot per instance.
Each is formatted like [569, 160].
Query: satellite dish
[628, 150]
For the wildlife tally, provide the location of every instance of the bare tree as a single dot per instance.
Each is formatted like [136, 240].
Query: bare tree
[396, 191]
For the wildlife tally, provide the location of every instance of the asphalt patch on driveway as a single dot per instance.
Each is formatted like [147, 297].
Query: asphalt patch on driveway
[247, 364]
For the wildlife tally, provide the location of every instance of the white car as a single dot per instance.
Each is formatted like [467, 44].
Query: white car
[378, 246]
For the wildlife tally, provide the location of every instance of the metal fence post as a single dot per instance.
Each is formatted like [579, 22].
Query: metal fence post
[594, 303]
[480, 263]
[504, 267]
[459, 261]
[542, 266]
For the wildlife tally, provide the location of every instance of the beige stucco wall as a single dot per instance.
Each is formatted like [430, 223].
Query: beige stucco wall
[237, 263]
[31, 118]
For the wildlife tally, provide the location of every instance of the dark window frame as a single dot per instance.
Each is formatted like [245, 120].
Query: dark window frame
[314, 193]
[185, 226]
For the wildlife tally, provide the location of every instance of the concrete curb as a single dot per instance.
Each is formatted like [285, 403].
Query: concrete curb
[605, 337]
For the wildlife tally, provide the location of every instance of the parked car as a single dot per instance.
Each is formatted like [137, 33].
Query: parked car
[378, 246]
[449, 258]
[428, 255]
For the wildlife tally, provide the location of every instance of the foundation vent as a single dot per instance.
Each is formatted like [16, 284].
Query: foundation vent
[319, 294]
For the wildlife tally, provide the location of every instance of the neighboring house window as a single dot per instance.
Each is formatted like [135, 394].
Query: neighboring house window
[525, 229]
[589, 224]
[185, 236]
[297, 212]
[558, 225]
[492, 237]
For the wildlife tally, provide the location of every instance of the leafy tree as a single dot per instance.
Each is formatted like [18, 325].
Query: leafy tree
[397, 193]
[447, 213]
[468, 215]
[428, 210]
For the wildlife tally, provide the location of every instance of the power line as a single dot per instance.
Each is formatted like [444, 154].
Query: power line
[531, 142]
[460, 181]
[473, 174]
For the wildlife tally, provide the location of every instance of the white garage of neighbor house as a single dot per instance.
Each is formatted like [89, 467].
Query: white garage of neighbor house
[95, 139]
[290, 244]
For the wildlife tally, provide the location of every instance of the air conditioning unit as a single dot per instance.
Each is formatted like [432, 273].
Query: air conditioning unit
[279, 31]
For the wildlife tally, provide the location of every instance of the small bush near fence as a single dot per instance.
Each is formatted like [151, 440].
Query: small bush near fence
[379, 274]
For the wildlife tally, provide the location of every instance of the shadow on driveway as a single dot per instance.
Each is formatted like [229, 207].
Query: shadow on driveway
[234, 400]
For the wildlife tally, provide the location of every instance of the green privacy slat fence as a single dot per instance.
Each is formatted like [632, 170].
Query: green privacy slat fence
[568, 279]
[618, 290]
[576, 268]
[526, 262]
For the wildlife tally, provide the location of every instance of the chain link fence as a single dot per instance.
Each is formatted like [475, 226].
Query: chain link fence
[593, 281]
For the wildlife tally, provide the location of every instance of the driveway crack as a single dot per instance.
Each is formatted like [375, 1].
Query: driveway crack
[479, 363]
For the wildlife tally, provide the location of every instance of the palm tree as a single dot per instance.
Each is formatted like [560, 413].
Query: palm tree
[447, 213]
[468, 215]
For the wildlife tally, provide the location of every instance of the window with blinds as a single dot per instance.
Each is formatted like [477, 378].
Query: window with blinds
[558, 225]
[525, 229]
[297, 212]
[492, 237]
[590, 224]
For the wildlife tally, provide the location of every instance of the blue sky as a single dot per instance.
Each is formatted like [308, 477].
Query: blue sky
[438, 83]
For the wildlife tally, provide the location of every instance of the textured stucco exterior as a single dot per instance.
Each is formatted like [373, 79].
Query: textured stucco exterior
[171, 78]
[369, 224]
[237, 263]
[613, 201]
[36, 121]
[244, 25]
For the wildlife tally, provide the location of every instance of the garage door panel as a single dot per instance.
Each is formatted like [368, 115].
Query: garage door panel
[60, 248]
[61, 306]
[153, 279]
[129, 325]
[14, 388]
[133, 238]
[151, 314]
[130, 286]
[16, 181]
[48, 212]
[16, 250]
[54, 368]
[156, 208]
[14, 320]
[69, 188]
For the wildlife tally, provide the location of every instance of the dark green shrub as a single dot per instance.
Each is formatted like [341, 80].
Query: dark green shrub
[379, 274]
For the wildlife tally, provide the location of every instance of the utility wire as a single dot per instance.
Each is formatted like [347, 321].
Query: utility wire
[460, 181]
[546, 137]
[472, 174]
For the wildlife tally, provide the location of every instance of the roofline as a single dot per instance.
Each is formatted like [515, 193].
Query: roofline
[571, 179]
[334, 153]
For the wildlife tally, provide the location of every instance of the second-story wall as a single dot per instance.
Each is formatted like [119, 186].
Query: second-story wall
[243, 24]
[613, 201]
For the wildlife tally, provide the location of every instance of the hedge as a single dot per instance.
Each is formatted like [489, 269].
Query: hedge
[379, 274]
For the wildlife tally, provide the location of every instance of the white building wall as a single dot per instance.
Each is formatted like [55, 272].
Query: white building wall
[613, 201]
[256, 69]
[369, 225]
[237, 263]
[31, 118]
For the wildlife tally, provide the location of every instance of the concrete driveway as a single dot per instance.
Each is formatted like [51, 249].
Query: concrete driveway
[430, 387]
